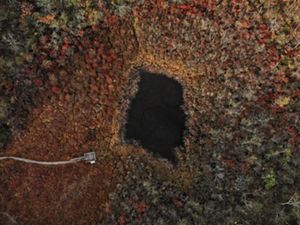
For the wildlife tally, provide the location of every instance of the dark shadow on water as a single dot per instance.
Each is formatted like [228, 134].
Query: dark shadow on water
[155, 117]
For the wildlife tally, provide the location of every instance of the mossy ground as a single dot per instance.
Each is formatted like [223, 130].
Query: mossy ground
[65, 72]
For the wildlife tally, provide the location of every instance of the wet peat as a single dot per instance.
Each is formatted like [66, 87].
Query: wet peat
[155, 117]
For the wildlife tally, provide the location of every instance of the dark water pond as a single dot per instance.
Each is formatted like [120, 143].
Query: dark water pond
[155, 117]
